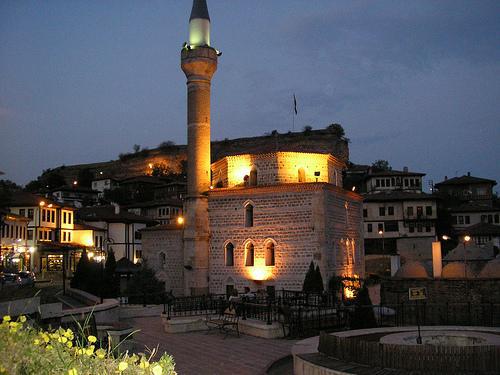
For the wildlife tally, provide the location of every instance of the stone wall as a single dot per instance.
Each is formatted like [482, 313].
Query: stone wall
[277, 168]
[298, 218]
[166, 239]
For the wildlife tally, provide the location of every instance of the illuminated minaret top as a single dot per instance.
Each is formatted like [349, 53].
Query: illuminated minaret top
[199, 24]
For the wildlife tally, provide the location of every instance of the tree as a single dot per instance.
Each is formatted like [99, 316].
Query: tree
[111, 282]
[363, 316]
[136, 148]
[308, 285]
[381, 165]
[7, 187]
[307, 130]
[313, 282]
[50, 179]
[336, 129]
[318, 280]
[82, 272]
[145, 282]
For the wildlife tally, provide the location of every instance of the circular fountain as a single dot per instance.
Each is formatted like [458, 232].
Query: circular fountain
[444, 350]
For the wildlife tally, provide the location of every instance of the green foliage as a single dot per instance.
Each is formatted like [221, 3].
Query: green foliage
[25, 350]
[7, 187]
[117, 195]
[307, 130]
[161, 169]
[381, 165]
[166, 145]
[336, 129]
[144, 281]
[363, 316]
[85, 177]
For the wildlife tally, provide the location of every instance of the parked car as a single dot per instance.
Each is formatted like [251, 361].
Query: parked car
[27, 278]
[10, 279]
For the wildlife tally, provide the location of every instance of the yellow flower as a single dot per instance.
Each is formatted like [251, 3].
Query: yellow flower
[49, 347]
[6, 318]
[157, 370]
[90, 350]
[22, 319]
[144, 364]
[92, 339]
[45, 337]
[72, 371]
[36, 342]
[122, 366]
[100, 353]
[69, 344]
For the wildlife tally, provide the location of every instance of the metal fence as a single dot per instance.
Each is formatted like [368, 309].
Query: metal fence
[305, 314]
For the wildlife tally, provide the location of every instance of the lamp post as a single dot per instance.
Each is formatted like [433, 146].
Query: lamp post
[466, 241]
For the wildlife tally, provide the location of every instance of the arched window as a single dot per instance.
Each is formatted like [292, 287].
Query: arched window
[229, 254]
[249, 215]
[249, 255]
[302, 175]
[270, 254]
[162, 259]
[253, 177]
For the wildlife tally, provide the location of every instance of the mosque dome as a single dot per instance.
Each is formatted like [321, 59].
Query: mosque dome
[413, 270]
[456, 270]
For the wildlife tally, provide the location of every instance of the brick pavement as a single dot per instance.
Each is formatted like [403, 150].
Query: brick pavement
[211, 354]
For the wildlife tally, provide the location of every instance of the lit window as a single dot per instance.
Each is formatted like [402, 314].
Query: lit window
[249, 255]
[229, 254]
[302, 175]
[249, 215]
[270, 254]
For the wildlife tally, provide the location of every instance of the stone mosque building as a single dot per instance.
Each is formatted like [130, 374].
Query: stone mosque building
[253, 219]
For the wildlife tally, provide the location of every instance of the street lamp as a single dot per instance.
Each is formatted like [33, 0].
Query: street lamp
[381, 232]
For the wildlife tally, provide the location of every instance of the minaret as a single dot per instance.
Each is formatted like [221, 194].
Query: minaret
[199, 63]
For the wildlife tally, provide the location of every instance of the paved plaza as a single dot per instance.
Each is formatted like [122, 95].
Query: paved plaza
[201, 353]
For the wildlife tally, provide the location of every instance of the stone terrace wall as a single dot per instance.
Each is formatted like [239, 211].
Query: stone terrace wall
[169, 241]
[321, 141]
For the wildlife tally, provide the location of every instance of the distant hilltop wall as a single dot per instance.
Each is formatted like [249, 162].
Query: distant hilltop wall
[173, 156]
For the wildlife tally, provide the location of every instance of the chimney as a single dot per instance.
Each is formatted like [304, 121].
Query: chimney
[468, 174]
[445, 178]
[405, 169]
[437, 262]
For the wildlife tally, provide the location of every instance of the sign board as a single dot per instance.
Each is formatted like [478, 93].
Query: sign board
[417, 293]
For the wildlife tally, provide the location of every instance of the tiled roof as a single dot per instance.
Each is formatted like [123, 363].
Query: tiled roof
[465, 180]
[482, 229]
[107, 214]
[475, 207]
[158, 203]
[472, 252]
[25, 199]
[397, 196]
[393, 173]
[162, 227]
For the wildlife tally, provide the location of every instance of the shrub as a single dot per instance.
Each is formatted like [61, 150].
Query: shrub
[363, 316]
[26, 350]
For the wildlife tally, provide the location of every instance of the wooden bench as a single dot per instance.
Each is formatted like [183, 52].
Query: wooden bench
[225, 322]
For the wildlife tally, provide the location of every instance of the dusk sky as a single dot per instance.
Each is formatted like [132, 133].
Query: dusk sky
[413, 82]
